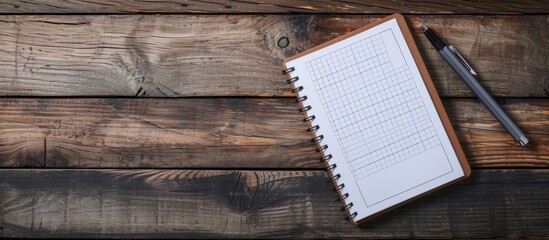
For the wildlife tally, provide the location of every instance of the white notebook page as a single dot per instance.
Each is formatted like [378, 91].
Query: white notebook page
[377, 118]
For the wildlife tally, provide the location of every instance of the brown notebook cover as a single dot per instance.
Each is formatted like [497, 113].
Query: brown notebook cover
[294, 79]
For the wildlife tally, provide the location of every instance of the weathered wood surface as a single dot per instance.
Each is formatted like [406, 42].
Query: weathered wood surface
[238, 55]
[268, 182]
[487, 144]
[103, 133]
[224, 133]
[246, 204]
[275, 6]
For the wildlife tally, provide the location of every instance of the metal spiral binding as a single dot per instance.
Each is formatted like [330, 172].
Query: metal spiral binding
[291, 80]
[322, 148]
[353, 215]
[334, 178]
[289, 70]
[339, 187]
[346, 207]
[317, 138]
[309, 119]
[313, 128]
[301, 99]
[307, 108]
[326, 158]
[343, 197]
[331, 167]
[297, 89]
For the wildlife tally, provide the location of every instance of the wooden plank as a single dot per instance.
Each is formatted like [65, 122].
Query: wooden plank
[200, 133]
[223, 133]
[257, 204]
[272, 6]
[487, 144]
[239, 55]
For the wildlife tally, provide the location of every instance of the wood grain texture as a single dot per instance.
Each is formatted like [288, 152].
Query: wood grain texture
[238, 55]
[487, 144]
[224, 133]
[273, 6]
[257, 204]
[201, 133]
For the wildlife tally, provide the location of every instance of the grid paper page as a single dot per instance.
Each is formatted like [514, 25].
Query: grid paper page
[377, 118]
[367, 98]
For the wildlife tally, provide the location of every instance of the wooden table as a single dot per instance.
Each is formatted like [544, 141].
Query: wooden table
[143, 119]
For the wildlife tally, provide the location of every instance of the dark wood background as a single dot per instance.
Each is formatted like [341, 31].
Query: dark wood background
[156, 119]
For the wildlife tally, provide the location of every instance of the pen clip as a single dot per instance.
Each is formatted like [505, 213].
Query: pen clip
[462, 60]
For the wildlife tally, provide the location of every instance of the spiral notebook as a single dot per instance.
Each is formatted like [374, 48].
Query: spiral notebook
[377, 118]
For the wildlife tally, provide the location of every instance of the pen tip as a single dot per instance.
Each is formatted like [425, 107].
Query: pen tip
[423, 26]
[523, 140]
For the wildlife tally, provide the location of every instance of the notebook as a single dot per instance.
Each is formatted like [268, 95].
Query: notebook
[376, 118]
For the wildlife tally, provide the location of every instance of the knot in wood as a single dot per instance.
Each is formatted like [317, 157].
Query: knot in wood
[283, 42]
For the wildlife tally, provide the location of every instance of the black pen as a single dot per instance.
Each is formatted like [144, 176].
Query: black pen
[464, 70]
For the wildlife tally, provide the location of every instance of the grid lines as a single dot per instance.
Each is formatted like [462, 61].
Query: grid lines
[376, 110]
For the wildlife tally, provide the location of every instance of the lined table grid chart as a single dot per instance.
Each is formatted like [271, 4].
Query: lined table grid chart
[375, 109]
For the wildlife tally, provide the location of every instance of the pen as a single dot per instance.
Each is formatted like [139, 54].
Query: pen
[464, 70]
